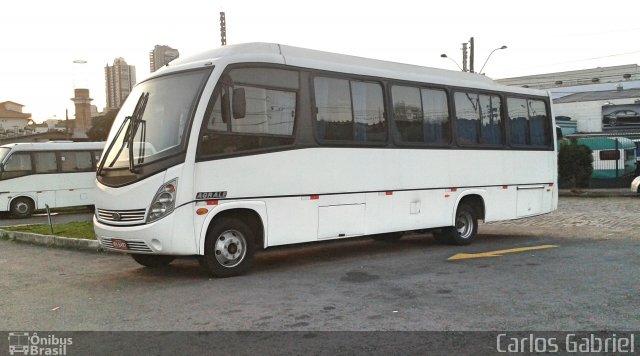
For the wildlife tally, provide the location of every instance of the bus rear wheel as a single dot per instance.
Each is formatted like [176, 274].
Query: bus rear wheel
[153, 261]
[228, 248]
[465, 230]
[22, 207]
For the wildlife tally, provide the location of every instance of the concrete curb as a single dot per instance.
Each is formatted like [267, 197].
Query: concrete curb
[52, 241]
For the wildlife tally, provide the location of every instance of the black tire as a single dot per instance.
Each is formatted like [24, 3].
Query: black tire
[464, 232]
[388, 237]
[22, 207]
[153, 261]
[228, 248]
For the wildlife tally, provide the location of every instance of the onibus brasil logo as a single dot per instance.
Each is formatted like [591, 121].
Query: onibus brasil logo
[24, 343]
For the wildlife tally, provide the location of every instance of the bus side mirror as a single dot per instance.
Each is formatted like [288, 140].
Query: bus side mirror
[239, 104]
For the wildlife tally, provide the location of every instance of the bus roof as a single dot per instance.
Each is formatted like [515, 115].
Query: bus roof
[314, 59]
[54, 146]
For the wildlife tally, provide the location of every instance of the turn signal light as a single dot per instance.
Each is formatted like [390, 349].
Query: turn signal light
[202, 211]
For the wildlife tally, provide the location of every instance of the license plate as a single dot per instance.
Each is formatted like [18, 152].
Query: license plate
[119, 244]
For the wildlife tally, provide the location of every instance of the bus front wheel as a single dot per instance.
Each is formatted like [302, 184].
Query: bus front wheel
[228, 248]
[153, 261]
[22, 207]
[465, 230]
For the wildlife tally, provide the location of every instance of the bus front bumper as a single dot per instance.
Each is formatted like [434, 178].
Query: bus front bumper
[160, 237]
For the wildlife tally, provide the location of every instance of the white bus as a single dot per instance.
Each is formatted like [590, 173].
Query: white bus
[57, 174]
[260, 145]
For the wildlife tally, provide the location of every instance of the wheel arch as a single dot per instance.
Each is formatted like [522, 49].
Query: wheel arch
[27, 196]
[253, 213]
[476, 198]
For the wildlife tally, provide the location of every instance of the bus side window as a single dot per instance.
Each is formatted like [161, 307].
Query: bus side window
[75, 161]
[467, 118]
[17, 165]
[45, 162]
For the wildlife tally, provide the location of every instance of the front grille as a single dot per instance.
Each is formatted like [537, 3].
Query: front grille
[133, 245]
[121, 217]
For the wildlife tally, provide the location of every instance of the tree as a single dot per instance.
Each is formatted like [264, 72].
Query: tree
[575, 164]
[100, 126]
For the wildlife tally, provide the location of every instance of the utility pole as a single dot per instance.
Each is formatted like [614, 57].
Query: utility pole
[223, 29]
[464, 57]
[471, 55]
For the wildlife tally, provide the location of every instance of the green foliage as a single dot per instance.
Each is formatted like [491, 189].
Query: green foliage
[101, 125]
[78, 230]
[575, 164]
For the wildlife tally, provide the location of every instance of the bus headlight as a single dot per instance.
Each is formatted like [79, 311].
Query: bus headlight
[164, 202]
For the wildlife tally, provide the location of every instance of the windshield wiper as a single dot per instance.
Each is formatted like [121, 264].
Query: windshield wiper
[128, 136]
[103, 161]
[135, 123]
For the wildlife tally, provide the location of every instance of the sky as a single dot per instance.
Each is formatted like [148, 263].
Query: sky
[40, 40]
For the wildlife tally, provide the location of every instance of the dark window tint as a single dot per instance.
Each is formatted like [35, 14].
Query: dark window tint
[334, 119]
[18, 164]
[368, 112]
[540, 125]
[407, 113]
[435, 109]
[75, 161]
[45, 162]
[420, 115]
[467, 118]
[529, 122]
[518, 121]
[270, 112]
[349, 110]
[491, 130]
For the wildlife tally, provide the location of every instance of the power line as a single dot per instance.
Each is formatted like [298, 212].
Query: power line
[587, 59]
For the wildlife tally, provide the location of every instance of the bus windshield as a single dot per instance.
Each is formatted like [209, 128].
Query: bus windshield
[3, 152]
[153, 122]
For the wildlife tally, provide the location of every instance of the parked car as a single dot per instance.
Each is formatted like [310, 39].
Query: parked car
[635, 185]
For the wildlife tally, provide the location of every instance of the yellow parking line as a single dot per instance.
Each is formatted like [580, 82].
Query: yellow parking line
[464, 256]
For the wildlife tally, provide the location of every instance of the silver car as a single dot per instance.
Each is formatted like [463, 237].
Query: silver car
[635, 185]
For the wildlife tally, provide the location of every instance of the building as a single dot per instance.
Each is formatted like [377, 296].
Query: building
[596, 99]
[599, 111]
[119, 80]
[160, 56]
[12, 119]
[82, 102]
[593, 76]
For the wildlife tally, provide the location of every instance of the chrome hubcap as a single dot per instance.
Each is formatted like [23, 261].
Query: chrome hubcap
[464, 225]
[22, 208]
[230, 248]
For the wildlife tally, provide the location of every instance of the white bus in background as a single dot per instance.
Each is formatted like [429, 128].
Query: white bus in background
[260, 145]
[57, 174]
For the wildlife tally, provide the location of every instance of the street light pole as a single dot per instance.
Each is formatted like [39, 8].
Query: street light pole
[444, 55]
[489, 56]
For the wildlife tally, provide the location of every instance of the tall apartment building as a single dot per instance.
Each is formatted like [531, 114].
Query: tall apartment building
[119, 80]
[161, 55]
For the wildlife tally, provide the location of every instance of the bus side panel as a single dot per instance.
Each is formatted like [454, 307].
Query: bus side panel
[75, 189]
[292, 220]
[407, 210]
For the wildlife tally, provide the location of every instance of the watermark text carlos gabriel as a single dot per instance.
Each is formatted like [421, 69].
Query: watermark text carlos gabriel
[579, 343]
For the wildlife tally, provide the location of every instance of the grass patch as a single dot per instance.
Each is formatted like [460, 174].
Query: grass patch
[78, 230]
